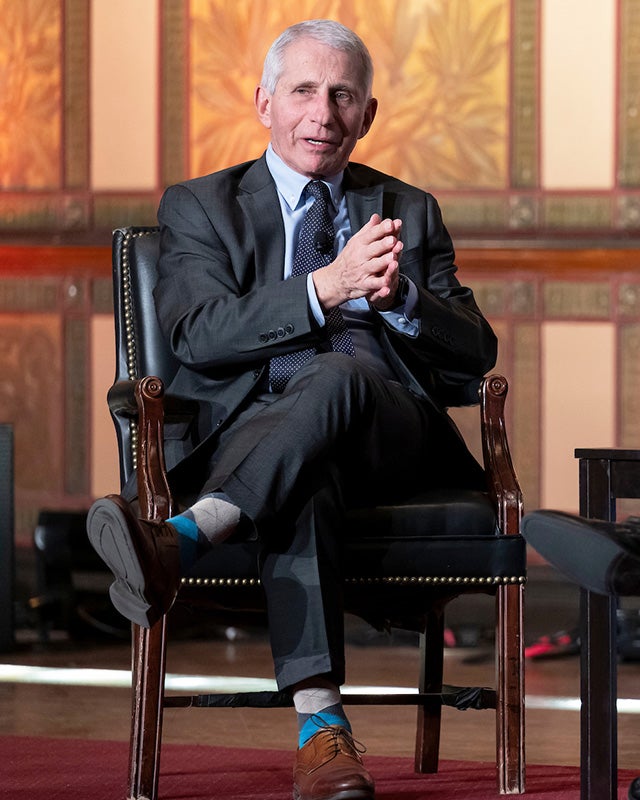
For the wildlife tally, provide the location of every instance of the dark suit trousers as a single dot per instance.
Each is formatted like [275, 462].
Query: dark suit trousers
[338, 436]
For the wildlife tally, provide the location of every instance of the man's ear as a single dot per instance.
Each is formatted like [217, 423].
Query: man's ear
[262, 100]
[369, 116]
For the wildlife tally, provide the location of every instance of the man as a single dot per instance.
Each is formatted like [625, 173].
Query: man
[603, 557]
[314, 308]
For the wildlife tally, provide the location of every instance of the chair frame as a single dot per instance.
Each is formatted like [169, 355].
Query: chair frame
[142, 400]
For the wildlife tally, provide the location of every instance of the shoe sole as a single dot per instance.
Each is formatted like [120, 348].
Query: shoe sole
[581, 552]
[108, 532]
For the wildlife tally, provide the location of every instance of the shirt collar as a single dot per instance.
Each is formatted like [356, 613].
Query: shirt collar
[291, 184]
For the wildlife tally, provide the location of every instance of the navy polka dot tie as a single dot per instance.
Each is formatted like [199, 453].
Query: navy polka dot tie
[315, 249]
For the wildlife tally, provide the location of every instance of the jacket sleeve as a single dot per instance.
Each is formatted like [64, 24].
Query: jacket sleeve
[455, 343]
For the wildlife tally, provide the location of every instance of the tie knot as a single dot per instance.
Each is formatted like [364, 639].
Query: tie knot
[318, 190]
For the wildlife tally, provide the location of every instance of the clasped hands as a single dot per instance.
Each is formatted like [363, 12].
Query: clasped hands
[366, 267]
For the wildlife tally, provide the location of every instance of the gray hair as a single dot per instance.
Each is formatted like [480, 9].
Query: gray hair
[326, 31]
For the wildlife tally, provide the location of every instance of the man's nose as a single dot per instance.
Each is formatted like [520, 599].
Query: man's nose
[323, 110]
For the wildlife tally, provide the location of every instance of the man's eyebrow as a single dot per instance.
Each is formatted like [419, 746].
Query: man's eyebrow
[295, 85]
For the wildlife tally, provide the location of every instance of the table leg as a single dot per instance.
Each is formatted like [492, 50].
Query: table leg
[598, 665]
[598, 719]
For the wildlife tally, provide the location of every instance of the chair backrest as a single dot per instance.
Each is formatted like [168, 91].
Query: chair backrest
[141, 348]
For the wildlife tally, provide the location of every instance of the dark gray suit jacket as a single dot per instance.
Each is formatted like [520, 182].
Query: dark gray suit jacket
[225, 309]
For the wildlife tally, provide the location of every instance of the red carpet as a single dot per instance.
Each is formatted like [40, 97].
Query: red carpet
[66, 769]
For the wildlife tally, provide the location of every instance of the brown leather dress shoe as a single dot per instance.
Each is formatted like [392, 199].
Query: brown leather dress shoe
[329, 767]
[143, 556]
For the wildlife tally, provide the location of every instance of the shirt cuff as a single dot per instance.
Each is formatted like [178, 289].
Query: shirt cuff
[314, 303]
[403, 318]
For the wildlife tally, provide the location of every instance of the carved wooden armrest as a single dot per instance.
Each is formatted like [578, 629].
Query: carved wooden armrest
[502, 482]
[144, 402]
[123, 402]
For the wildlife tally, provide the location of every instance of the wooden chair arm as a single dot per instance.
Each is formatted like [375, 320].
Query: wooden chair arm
[143, 403]
[122, 401]
[502, 482]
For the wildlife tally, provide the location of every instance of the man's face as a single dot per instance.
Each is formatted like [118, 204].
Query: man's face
[319, 109]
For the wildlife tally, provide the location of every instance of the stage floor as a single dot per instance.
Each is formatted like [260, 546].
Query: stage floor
[33, 704]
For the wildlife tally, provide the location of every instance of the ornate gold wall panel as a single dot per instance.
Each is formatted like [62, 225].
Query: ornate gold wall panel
[30, 76]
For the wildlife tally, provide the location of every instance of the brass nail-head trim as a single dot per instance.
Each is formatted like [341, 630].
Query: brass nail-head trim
[429, 580]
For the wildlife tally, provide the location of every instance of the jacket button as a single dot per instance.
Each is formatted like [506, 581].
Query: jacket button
[263, 337]
[280, 332]
[289, 328]
[272, 335]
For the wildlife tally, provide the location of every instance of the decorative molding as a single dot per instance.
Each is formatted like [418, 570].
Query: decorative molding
[174, 44]
[524, 98]
[629, 208]
[629, 104]
[112, 211]
[21, 295]
[583, 300]
[467, 213]
[76, 410]
[524, 212]
[523, 298]
[76, 98]
[525, 409]
[102, 296]
[629, 301]
[491, 296]
[573, 212]
[629, 385]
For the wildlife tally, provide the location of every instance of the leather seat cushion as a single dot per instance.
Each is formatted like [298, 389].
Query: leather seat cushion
[436, 534]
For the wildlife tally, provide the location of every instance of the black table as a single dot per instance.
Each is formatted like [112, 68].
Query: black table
[606, 475]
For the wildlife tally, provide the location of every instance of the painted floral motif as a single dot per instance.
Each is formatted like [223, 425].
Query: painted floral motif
[30, 78]
[441, 79]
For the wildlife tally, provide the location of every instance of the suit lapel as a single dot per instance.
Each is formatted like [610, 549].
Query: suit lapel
[258, 199]
[363, 200]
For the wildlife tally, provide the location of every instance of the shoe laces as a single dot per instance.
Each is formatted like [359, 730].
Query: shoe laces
[340, 740]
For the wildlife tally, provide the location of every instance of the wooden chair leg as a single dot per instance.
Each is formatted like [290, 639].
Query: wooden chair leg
[148, 672]
[430, 713]
[510, 690]
[149, 645]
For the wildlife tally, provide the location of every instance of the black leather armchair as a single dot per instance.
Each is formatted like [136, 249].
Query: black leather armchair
[404, 563]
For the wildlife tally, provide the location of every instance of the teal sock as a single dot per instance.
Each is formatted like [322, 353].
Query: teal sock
[190, 540]
[310, 724]
[210, 520]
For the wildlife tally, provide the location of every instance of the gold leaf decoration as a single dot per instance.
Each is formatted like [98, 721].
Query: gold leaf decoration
[441, 78]
[30, 89]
